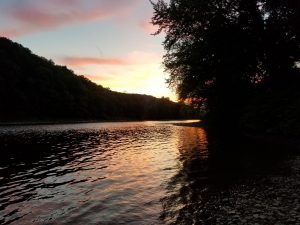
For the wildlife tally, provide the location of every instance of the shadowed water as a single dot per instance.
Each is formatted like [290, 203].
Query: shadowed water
[100, 173]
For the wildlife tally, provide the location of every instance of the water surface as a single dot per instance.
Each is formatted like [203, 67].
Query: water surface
[101, 173]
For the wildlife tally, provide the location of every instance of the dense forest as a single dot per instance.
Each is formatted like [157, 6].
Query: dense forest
[239, 60]
[33, 88]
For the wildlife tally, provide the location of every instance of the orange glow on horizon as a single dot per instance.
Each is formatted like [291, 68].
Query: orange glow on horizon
[139, 72]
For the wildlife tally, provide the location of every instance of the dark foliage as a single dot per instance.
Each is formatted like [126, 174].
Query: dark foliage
[34, 88]
[226, 54]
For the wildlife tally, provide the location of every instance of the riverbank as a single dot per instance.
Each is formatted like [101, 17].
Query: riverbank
[272, 199]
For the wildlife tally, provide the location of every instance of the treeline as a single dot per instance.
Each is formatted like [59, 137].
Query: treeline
[33, 88]
[239, 60]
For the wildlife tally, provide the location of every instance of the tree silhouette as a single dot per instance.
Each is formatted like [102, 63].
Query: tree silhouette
[219, 51]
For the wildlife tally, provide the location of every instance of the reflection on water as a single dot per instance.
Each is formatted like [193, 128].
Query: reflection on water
[103, 173]
[110, 173]
[190, 179]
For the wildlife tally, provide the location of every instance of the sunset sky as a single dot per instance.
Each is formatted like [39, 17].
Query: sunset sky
[108, 41]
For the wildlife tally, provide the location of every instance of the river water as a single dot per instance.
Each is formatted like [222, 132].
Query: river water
[115, 173]
[99, 173]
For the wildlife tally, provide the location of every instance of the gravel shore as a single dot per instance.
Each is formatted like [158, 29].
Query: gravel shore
[261, 200]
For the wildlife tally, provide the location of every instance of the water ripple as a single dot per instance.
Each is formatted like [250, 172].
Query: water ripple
[129, 173]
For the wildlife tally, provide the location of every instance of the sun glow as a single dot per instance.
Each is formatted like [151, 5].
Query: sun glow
[141, 79]
[138, 72]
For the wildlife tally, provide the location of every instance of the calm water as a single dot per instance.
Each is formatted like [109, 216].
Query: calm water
[100, 173]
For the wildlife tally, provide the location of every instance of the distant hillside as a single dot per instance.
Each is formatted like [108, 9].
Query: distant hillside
[34, 88]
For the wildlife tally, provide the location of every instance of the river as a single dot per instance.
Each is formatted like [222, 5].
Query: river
[97, 173]
[106, 173]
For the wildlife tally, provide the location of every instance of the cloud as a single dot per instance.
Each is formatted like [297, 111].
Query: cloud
[37, 18]
[82, 61]
[33, 16]
[133, 58]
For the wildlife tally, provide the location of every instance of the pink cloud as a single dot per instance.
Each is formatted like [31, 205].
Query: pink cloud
[14, 32]
[133, 58]
[82, 61]
[35, 16]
